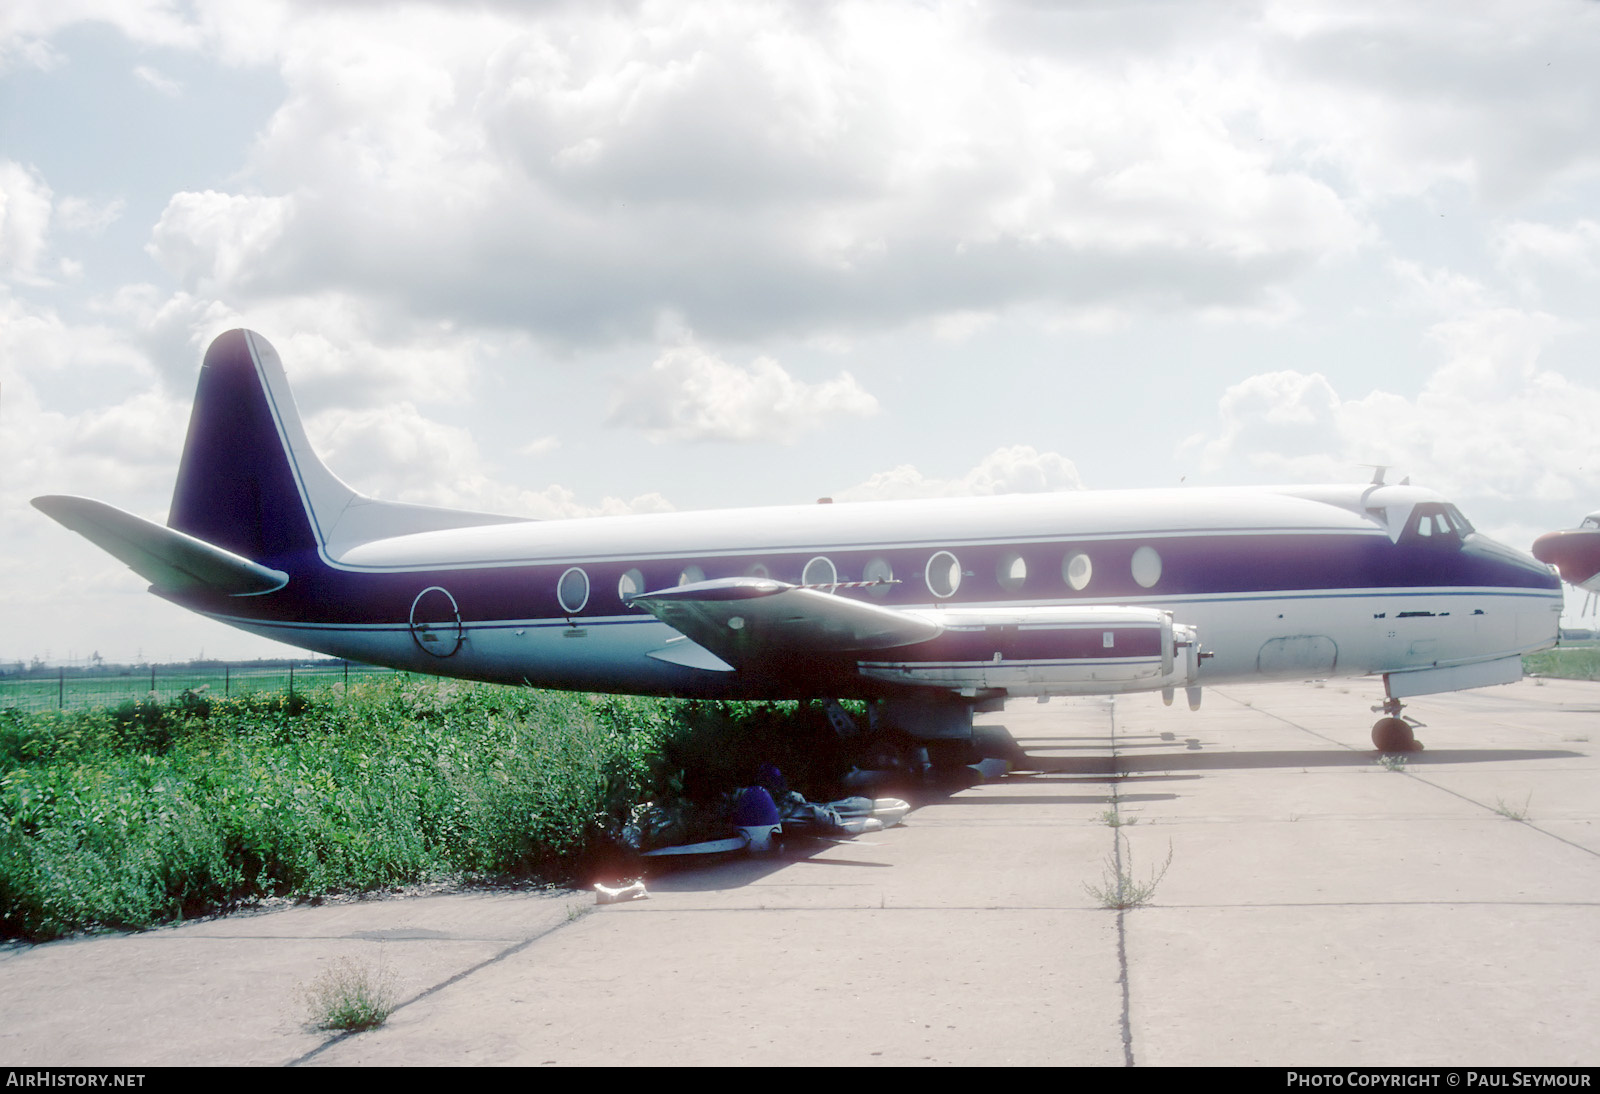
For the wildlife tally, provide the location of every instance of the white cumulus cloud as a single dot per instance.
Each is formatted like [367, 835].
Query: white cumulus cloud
[220, 242]
[154, 78]
[1017, 469]
[399, 454]
[1489, 422]
[689, 394]
[25, 206]
[574, 169]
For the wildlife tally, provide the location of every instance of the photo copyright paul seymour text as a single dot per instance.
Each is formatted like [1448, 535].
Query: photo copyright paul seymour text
[1476, 1080]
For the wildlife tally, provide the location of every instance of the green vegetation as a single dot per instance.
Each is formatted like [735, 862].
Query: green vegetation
[1514, 812]
[151, 812]
[1120, 889]
[1114, 819]
[1565, 662]
[45, 687]
[1392, 762]
[350, 995]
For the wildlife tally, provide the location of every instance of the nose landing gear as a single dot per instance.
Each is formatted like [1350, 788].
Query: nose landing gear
[1392, 733]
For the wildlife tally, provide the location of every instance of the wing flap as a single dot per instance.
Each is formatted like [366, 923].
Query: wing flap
[172, 561]
[690, 654]
[741, 619]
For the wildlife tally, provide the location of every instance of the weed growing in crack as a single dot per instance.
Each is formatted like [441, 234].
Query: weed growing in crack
[1513, 812]
[1112, 819]
[1121, 889]
[351, 995]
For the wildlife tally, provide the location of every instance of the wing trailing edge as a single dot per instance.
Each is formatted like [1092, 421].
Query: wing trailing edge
[172, 561]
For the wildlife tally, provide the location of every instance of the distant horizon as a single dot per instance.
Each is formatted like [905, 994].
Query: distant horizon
[306, 657]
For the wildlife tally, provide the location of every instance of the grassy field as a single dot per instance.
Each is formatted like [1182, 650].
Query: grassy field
[1567, 662]
[150, 812]
[76, 689]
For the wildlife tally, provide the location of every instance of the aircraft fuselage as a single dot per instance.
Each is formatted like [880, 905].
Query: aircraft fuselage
[1275, 585]
[963, 598]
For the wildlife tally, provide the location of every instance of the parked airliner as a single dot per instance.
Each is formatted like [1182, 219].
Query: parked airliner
[933, 607]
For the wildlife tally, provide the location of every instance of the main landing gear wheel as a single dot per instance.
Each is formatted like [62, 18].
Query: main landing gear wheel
[1393, 735]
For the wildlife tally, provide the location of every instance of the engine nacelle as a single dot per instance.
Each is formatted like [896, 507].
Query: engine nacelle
[1047, 651]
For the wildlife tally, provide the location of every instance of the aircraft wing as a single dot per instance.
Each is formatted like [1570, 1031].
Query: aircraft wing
[745, 618]
[171, 561]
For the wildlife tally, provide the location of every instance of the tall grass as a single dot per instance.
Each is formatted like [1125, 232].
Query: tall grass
[151, 812]
[1567, 662]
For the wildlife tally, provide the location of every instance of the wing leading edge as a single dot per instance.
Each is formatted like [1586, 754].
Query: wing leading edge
[744, 619]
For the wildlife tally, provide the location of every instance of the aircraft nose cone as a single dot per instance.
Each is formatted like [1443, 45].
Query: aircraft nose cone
[1575, 553]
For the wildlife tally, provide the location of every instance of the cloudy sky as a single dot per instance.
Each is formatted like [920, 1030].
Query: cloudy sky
[566, 259]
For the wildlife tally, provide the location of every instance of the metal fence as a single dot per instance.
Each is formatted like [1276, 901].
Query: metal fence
[62, 687]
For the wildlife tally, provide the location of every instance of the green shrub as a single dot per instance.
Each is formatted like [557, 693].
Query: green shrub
[153, 812]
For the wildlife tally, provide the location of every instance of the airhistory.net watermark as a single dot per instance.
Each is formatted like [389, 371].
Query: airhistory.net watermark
[69, 1077]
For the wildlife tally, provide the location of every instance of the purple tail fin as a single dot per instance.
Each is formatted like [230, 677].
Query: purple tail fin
[249, 481]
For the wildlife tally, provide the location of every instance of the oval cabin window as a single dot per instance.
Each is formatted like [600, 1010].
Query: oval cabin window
[573, 591]
[943, 574]
[1146, 566]
[820, 571]
[879, 572]
[1011, 572]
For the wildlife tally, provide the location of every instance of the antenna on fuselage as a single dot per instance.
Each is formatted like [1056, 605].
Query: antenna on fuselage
[1378, 471]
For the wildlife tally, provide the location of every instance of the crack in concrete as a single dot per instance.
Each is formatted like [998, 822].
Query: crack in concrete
[1122, 913]
[495, 959]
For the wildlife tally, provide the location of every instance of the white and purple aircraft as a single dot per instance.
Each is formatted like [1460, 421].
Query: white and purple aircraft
[935, 607]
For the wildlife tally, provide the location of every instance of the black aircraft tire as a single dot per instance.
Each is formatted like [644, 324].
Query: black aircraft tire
[950, 755]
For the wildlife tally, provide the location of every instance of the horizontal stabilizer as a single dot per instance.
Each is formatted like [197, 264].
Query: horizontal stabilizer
[740, 618]
[172, 561]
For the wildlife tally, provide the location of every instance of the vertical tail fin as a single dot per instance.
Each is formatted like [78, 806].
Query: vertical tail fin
[249, 480]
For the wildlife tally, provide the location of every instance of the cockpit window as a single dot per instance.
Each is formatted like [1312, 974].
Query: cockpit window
[1436, 524]
[1591, 521]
